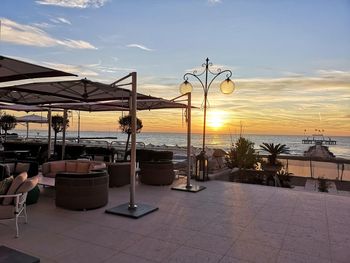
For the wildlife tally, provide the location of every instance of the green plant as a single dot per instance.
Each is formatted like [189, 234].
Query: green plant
[284, 178]
[323, 185]
[7, 122]
[274, 151]
[57, 126]
[242, 155]
[125, 126]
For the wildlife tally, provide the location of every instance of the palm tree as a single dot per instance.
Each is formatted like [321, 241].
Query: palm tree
[274, 151]
[8, 122]
[57, 126]
[125, 126]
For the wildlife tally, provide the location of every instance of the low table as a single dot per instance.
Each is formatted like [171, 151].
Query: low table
[46, 181]
[9, 255]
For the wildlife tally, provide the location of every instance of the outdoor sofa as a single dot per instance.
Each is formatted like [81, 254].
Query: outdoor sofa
[50, 169]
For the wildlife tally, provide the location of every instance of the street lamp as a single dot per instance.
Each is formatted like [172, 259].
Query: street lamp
[227, 87]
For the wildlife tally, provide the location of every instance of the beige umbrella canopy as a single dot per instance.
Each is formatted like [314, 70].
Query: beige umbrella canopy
[32, 118]
[13, 69]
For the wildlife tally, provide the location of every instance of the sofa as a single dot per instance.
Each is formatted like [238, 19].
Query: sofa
[119, 173]
[17, 167]
[81, 191]
[50, 169]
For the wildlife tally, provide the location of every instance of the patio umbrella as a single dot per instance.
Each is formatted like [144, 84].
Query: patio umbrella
[31, 118]
[13, 69]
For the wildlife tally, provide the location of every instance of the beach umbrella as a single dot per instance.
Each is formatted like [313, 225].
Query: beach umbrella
[13, 69]
[31, 119]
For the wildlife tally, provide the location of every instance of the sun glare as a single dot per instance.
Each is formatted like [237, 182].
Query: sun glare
[216, 120]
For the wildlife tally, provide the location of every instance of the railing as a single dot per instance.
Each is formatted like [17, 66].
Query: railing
[333, 169]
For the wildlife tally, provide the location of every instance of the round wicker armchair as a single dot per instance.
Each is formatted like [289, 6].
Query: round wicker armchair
[81, 191]
[156, 173]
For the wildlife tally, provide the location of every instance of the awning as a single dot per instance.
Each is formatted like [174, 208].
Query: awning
[13, 69]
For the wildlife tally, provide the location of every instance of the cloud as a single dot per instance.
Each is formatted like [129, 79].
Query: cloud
[60, 20]
[29, 35]
[140, 47]
[214, 2]
[74, 3]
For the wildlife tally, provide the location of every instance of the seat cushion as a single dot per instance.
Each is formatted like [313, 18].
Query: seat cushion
[22, 167]
[83, 167]
[56, 167]
[28, 185]
[71, 167]
[16, 183]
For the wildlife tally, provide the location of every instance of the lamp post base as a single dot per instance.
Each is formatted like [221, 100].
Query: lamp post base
[192, 188]
[138, 211]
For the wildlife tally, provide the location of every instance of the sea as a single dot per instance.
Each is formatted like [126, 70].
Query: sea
[215, 141]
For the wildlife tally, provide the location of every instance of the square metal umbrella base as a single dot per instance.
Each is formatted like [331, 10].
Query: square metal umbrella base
[124, 210]
[192, 188]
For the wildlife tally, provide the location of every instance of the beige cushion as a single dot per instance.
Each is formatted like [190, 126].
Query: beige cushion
[71, 167]
[22, 167]
[56, 167]
[83, 167]
[28, 185]
[16, 183]
[7, 212]
[11, 167]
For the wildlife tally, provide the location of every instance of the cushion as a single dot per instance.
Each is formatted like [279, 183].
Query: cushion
[22, 167]
[56, 167]
[71, 167]
[14, 186]
[28, 185]
[83, 167]
[11, 167]
[5, 185]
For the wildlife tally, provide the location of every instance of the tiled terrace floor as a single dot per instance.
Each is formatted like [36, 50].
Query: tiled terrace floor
[227, 222]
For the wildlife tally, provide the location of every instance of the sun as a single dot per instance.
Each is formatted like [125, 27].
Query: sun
[216, 120]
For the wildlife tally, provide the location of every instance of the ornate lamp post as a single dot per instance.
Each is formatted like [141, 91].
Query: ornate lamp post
[227, 87]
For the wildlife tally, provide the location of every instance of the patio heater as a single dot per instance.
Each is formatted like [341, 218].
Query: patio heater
[227, 87]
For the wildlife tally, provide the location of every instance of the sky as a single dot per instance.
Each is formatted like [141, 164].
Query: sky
[290, 59]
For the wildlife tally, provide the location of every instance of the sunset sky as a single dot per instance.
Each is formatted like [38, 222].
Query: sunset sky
[290, 59]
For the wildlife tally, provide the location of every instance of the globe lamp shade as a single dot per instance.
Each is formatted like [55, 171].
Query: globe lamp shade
[185, 87]
[227, 86]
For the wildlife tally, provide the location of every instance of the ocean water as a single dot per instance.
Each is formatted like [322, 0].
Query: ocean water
[223, 141]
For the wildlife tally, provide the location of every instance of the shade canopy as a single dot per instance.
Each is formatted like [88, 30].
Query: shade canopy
[13, 69]
[71, 91]
[32, 118]
[18, 107]
[149, 103]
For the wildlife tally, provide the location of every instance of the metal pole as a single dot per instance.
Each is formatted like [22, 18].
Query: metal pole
[205, 101]
[188, 183]
[49, 117]
[65, 116]
[132, 204]
[78, 126]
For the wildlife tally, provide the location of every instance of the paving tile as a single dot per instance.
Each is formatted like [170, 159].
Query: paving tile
[85, 253]
[308, 246]
[103, 236]
[211, 243]
[228, 259]
[193, 255]
[320, 234]
[252, 252]
[292, 257]
[340, 252]
[267, 226]
[152, 249]
[228, 230]
[173, 234]
[125, 258]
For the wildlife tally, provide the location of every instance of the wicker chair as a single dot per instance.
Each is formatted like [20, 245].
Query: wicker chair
[119, 174]
[81, 191]
[157, 173]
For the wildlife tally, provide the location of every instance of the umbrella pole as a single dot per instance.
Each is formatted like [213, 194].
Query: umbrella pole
[27, 129]
[131, 209]
[65, 116]
[49, 134]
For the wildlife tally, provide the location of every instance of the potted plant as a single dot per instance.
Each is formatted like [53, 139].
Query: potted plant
[125, 126]
[242, 156]
[57, 126]
[7, 122]
[323, 185]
